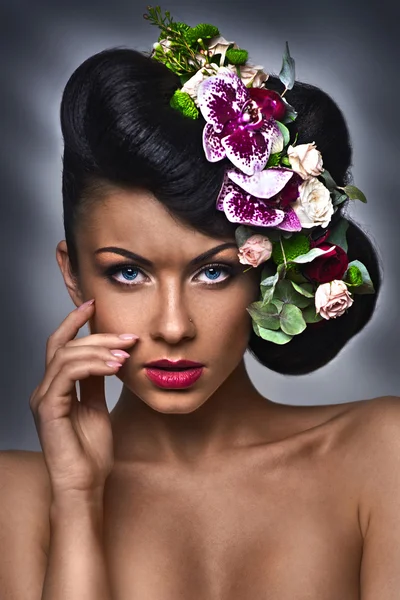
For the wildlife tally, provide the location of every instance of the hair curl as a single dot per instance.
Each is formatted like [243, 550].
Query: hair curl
[120, 132]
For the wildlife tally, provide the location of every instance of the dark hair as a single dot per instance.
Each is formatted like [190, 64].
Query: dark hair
[120, 132]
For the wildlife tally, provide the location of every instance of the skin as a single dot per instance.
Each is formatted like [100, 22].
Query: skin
[222, 410]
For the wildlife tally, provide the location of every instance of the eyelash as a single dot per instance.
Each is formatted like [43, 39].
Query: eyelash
[230, 269]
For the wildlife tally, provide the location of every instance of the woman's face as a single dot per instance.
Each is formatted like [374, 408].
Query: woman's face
[156, 301]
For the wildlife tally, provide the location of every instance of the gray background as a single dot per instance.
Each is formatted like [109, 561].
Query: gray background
[350, 49]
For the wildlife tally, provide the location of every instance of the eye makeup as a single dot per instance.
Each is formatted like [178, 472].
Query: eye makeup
[230, 269]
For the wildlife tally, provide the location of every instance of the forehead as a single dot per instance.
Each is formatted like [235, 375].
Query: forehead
[136, 219]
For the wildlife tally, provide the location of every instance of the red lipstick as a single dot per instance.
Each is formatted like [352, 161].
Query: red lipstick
[173, 374]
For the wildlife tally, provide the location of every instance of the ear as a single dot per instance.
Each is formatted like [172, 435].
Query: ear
[69, 278]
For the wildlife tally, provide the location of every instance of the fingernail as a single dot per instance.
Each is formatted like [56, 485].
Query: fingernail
[86, 304]
[128, 336]
[120, 353]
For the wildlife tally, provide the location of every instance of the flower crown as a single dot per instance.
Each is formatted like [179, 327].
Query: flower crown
[272, 184]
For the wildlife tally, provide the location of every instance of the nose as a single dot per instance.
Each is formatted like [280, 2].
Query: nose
[170, 321]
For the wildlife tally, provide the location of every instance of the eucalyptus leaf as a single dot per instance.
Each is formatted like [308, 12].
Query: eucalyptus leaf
[302, 290]
[310, 315]
[268, 287]
[290, 114]
[337, 236]
[242, 234]
[278, 303]
[291, 319]
[328, 180]
[277, 337]
[338, 198]
[268, 317]
[367, 286]
[285, 132]
[311, 254]
[287, 73]
[354, 193]
[285, 292]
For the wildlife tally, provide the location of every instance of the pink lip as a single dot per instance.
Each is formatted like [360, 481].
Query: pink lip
[164, 362]
[174, 379]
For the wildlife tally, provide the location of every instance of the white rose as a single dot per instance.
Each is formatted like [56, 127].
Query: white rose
[305, 160]
[314, 206]
[219, 45]
[250, 74]
[332, 299]
[253, 74]
[192, 84]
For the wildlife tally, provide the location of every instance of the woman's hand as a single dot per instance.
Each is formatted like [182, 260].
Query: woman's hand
[76, 436]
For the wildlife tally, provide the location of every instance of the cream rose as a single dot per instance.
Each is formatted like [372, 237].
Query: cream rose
[219, 45]
[192, 84]
[250, 74]
[257, 249]
[314, 206]
[305, 160]
[332, 299]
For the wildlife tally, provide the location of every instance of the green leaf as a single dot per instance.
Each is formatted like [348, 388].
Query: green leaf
[337, 235]
[290, 114]
[367, 286]
[286, 162]
[287, 73]
[302, 289]
[242, 234]
[310, 315]
[256, 329]
[309, 257]
[354, 193]
[338, 198]
[285, 132]
[278, 303]
[328, 180]
[277, 337]
[267, 317]
[291, 319]
[268, 287]
[285, 292]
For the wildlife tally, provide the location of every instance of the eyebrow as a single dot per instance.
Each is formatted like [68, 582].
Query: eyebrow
[150, 264]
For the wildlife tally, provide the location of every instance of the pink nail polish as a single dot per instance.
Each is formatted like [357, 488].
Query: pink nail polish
[86, 304]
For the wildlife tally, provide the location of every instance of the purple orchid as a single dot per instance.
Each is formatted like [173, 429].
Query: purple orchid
[261, 200]
[236, 126]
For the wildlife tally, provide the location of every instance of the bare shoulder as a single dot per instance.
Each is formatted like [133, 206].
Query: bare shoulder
[25, 494]
[375, 426]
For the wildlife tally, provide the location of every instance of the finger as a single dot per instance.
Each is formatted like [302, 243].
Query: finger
[56, 402]
[92, 393]
[110, 340]
[68, 329]
[63, 356]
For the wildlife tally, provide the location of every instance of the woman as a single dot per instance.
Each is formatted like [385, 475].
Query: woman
[195, 485]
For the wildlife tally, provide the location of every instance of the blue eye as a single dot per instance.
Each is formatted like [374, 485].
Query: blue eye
[129, 273]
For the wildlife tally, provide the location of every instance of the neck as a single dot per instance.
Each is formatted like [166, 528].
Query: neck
[234, 416]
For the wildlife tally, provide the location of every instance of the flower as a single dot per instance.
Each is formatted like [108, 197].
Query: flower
[332, 299]
[219, 45]
[247, 199]
[255, 250]
[327, 267]
[192, 84]
[250, 74]
[236, 126]
[305, 160]
[314, 206]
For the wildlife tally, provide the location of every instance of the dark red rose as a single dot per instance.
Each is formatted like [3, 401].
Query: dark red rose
[327, 267]
[269, 101]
